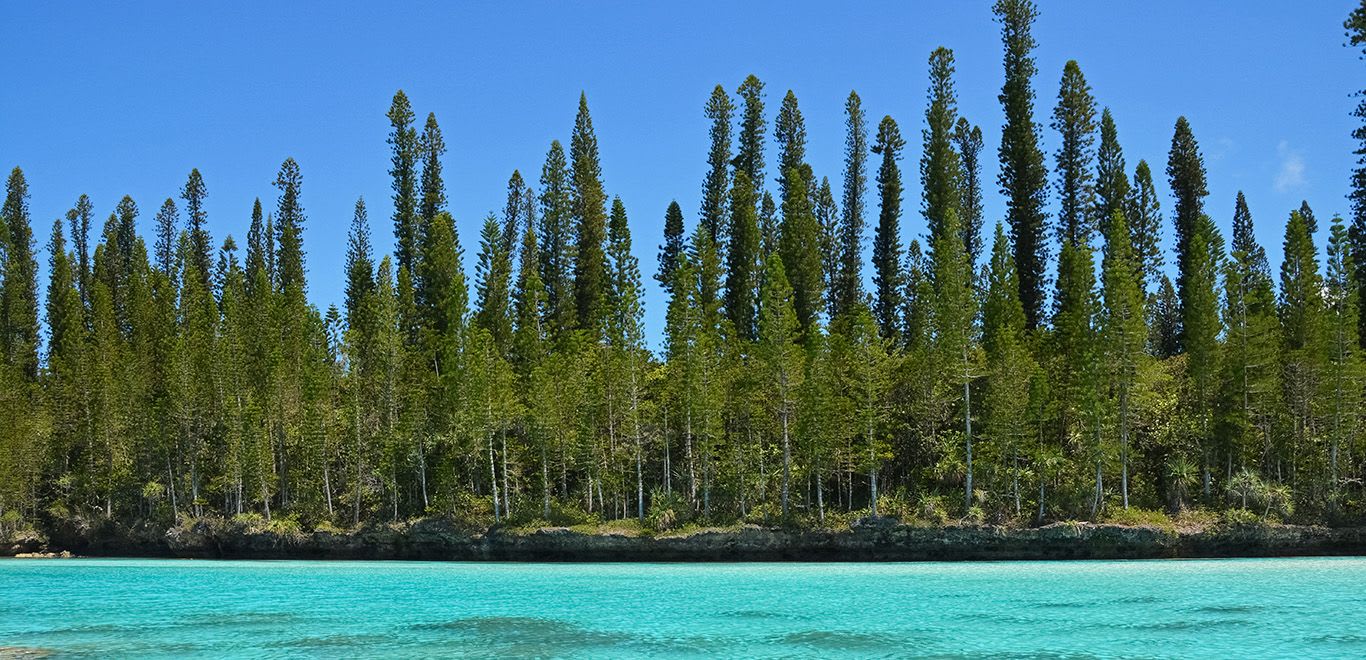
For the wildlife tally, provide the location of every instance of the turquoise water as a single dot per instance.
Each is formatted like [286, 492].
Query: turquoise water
[300, 609]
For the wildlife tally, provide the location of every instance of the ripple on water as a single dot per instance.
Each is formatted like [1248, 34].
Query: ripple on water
[25, 652]
[849, 641]
[518, 635]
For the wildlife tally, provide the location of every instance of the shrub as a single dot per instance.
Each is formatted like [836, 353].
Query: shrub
[668, 511]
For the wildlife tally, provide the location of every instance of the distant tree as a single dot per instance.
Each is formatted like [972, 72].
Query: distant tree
[671, 248]
[167, 222]
[432, 189]
[196, 221]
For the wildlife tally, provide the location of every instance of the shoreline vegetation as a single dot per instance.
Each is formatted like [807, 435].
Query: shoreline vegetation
[1192, 536]
[174, 396]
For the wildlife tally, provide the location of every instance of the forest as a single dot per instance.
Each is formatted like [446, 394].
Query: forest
[1053, 364]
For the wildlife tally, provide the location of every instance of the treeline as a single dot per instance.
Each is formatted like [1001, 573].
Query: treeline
[1044, 367]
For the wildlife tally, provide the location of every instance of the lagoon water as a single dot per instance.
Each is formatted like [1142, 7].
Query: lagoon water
[302, 609]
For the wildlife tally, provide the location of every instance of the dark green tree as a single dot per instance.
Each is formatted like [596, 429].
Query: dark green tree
[749, 155]
[19, 288]
[406, 148]
[1143, 212]
[432, 192]
[1074, 119]
[940, 170]
[556, 234]
[715, 188]
[967, 139]
[1023, 178]
[1112, 182]
[849, 283]
[799, 247]
[167, 227]
[1355, 26]
[196, 223]
[888, 273]
[493, 278]
[588, 202]
[671, 248]
[742, 259]
[1186, 173]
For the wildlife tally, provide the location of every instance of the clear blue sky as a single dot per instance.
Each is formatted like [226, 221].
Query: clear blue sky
[124, 98]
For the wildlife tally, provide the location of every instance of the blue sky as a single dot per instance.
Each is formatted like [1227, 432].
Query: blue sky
[110, 99]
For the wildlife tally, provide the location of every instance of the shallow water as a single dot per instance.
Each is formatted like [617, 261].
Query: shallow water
[180, 608]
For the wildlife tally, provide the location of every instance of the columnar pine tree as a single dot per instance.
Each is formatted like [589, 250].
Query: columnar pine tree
[749, 154]
[831, 248]
[1010, 367]
[1200, 325]
[406, 148]
[196, 223]
[671, 248]
[557, 241]
[742, 258]
[1124, 332]
[1023, 179]
[799, 248]
[167, 222]
[78, 219]
[19, 286]
[1112, 188]
[888, 273]
[939, 166]
[1251, 388]
[716, 186]
[953, 318]
[493, 278]
[849, 283]
[967, 139]
[1143, 212]
[1355, 25]
[1342, 377]
[1186, 173]
[1074, 119]
[432, 189]
[588, 202]
[1303, 345]
[789, 131]
[782, 360]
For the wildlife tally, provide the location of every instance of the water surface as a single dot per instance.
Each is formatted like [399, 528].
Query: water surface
[302, 609]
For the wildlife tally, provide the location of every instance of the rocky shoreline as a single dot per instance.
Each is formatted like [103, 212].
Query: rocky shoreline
[437, 539]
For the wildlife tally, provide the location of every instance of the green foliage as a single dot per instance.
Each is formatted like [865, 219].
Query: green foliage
[176, 386]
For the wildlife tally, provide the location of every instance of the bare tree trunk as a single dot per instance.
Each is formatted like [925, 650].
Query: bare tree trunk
[967, 430]
[787, 461]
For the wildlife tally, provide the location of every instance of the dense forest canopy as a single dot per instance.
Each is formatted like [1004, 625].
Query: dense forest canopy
[1036, 367]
